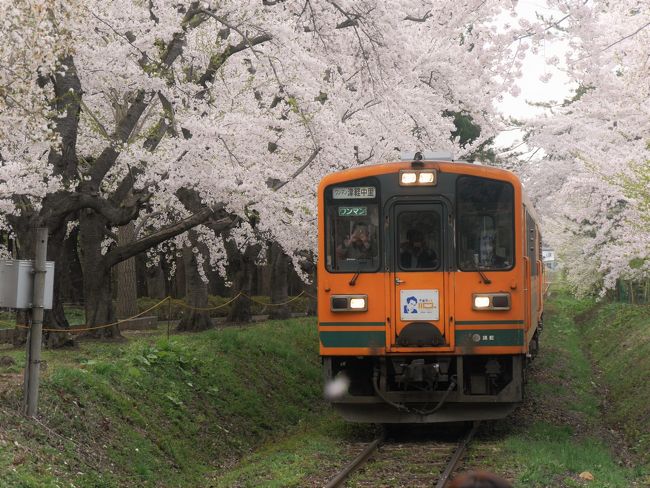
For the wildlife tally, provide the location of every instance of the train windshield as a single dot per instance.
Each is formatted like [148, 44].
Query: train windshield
[485, 224]
[353, 237]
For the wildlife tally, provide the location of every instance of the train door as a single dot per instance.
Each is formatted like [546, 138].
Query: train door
[418, 281]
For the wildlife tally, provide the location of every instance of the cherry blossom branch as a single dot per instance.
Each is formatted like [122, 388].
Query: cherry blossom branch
[625, 37]
[424, 18]
[218, 60]
[233, 27]
[302, 168]
[144, 221]
[349, 112]
[124, 252]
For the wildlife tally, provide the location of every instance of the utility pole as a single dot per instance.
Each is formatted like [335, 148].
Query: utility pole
[35, 334]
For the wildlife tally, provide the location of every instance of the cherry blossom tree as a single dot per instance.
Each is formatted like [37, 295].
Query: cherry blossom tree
[173, 115]
[592, 186]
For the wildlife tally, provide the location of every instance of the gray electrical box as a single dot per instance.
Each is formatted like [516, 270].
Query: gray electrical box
[17, 283]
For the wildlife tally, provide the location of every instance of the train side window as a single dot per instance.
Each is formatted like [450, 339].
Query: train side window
[532, 232]
[419, 240]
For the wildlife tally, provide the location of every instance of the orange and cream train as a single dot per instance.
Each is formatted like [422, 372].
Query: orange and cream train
[429, 290]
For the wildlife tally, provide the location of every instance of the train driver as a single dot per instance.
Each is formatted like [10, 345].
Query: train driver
[415, 253]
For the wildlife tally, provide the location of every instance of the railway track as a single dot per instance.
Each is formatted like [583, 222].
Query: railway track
[404, 464]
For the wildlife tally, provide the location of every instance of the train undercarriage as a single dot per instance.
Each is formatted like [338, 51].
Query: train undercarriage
[426, 389]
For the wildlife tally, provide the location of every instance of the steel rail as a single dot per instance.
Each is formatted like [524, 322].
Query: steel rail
[356, 462]
[460, 450]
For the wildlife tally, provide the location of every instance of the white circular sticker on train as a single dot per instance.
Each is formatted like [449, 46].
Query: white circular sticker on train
[419, 305]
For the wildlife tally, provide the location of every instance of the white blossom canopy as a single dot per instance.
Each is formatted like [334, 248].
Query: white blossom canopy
[246, 103]
[593, 187]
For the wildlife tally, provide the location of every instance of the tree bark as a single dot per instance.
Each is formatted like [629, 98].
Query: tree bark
[127, 293]
[155, 281]
[63, 255]
[308, 266]
[69, 268]
[97, 277]
[279, 264]
[196, 289]
[179, 277]
[242, 271]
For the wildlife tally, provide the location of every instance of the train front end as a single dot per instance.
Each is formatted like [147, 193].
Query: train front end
[429, 291]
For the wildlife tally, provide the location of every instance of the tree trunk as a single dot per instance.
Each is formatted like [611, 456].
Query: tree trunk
[309, 268]
[63, 255]
[155, 281]
[241, 267]
[279, 266]
[197, 289]
[141, 275]
[127, 293]
[69, 269]
[179, 277]
[97, 277]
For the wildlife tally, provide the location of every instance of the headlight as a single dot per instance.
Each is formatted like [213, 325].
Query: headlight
[349, 303]
[491, 301]
[481, 302]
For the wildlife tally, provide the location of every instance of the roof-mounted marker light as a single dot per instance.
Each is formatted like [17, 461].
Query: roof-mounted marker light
[408, 178]
[421, 177]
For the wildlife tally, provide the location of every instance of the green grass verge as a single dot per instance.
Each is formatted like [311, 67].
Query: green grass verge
[161, 413]
[560, 432]
[618, 337]
[294, 460]
[241, 407]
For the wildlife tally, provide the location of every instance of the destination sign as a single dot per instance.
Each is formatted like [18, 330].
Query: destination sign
[352, 192]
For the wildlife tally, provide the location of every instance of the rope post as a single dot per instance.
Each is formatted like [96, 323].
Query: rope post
[169, 313]
[35, 336]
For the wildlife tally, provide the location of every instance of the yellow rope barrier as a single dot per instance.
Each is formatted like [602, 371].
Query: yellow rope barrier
[4, 322]
[205, 309]
[274, 304]
[76, 330]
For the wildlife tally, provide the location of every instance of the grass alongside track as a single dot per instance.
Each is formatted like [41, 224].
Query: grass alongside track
[157, 412]
[242, 407]
[618, 337]
[561, 431]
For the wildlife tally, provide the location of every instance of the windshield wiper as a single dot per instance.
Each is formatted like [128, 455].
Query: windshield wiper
[358, 271]
[354, 278]
[477, 268]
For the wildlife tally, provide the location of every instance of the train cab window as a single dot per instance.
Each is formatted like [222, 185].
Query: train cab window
[485, 224]
[353, 237]
[419, 240]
